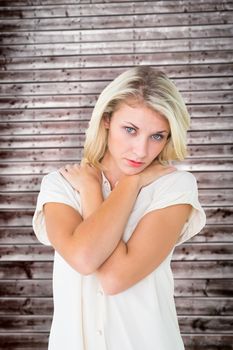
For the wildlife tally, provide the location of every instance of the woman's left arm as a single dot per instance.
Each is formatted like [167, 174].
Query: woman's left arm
[152, 240]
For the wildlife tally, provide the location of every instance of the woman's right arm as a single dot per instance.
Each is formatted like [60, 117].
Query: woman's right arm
[86, 244]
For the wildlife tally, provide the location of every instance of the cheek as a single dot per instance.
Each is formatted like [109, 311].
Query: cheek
[156, 149]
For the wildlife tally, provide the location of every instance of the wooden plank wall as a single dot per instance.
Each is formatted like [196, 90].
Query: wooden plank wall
[56, 57]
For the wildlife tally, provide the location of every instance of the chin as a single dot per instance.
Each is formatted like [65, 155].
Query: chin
[133, 171]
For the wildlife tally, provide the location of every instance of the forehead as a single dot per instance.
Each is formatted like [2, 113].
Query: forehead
[139, 113]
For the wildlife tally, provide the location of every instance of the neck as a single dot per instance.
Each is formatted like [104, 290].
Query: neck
[111, 171]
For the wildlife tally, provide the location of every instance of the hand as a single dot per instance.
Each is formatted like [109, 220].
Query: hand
[82, 176]
[153, 172]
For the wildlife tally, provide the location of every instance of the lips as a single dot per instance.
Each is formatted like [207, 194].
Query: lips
[134, 163]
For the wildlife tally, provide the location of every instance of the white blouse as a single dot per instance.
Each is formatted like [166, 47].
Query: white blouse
[141, 317]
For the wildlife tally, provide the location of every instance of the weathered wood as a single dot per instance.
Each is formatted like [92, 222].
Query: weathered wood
[23, 270]
[76, 139]
[108, 73]
[191, 324]
[71, 155]
[117, 22]
[78, 114]
[25, 235]
[185, 306]
[27, 200]
[76, 101]
[203, 165]
[187, 252]
[42, 306]
[22, 340]
[106, 35]
[41, 288]
[206, 324]
[79, 126]
[115, 47]
[17, 217]
[93, 87]
[113, 9]
[25, 323]
[208, 342]
[204, 269]
[56, 56]
[119, 60]
[199, 287]
[214, 233]
[38, 341]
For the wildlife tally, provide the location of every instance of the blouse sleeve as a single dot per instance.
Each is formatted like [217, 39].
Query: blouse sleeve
[54, 188]
[180, 189]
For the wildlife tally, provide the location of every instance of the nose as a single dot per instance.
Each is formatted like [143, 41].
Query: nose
[140, 148]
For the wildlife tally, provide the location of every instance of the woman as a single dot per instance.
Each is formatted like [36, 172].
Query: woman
[115, 220]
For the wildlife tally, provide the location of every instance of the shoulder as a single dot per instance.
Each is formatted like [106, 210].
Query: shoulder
[175, 182]
[55, 179]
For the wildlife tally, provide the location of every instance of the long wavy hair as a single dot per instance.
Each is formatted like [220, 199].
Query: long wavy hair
[155, 90]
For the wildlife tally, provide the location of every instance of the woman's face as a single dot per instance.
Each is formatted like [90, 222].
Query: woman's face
[136, 136]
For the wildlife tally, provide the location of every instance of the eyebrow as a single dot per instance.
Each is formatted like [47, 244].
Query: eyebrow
[156, 132]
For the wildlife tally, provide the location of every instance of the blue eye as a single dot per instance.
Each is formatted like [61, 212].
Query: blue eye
[157, 137]
[130, 130]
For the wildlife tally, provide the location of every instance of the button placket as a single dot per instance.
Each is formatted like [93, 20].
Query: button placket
[100, 318]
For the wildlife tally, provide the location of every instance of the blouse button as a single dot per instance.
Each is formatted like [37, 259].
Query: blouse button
[99, 332]
[100, 293]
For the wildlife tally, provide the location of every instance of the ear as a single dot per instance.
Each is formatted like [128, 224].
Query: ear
[106, 120]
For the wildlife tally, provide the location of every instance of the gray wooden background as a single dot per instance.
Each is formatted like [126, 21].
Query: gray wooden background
[56, 57]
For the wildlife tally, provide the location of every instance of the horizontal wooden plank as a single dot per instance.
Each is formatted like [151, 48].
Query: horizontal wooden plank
[207, 324]
[199, 287]
[187, 252]
[126, 21]
[183, 287]
[95, 87]
[44, 306]
[119, 60]
[33, 168]
[22, 341]
[80, 126]
[25, 235]
[114, 8]
[117, 34]
[21, 200]
[22, 270]
[25, 323]
[26, 288]
[199, 251]
[183, 270]
[17, 217]
[116, 47]
[72, 154]
[214, 233]
[76, 138]
[185, 306]
[76, 101]
[78, 114]
[38, 341]
[109, 73]
[26, 253]
[188, 306]
[203, 269]
[208, 342]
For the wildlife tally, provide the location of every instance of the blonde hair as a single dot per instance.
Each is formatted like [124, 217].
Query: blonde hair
[154, 89]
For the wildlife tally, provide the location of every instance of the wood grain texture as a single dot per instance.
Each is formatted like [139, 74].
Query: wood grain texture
[55, 58]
